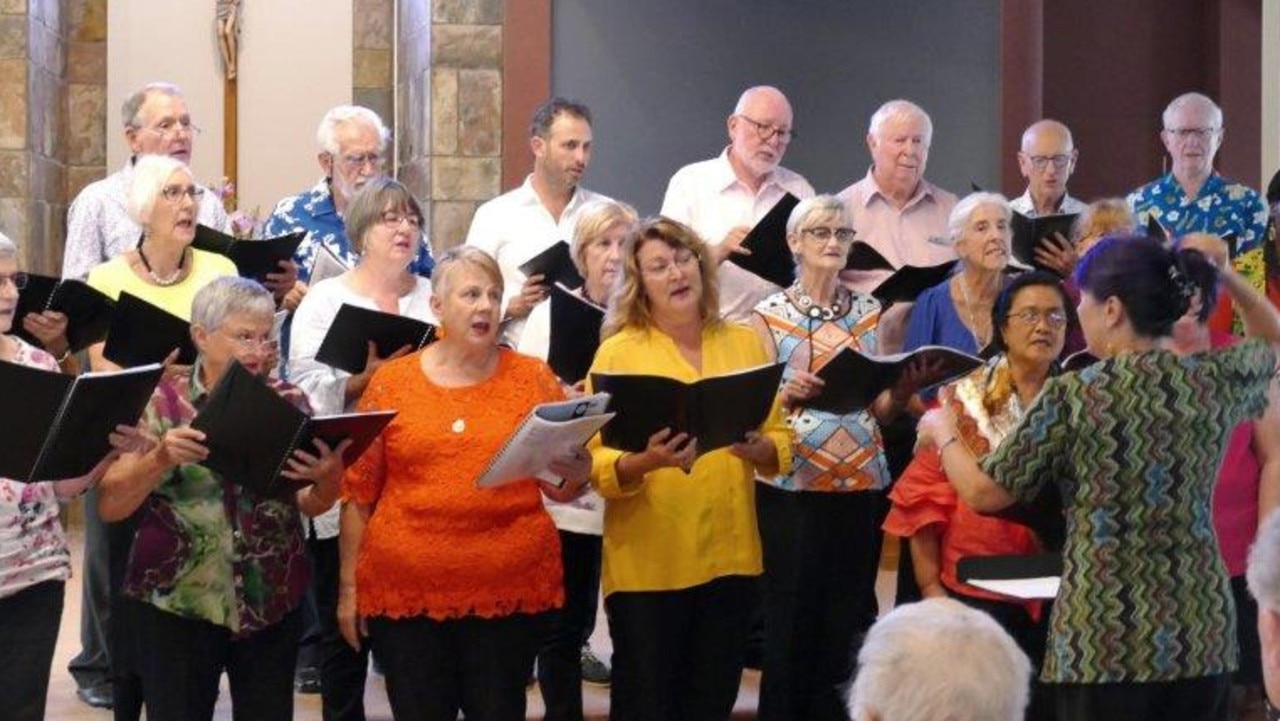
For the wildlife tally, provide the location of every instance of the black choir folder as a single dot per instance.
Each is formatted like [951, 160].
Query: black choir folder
[718, 411]
[770, 256]
[254, 259]
[1029, 232]
[142, 333]
[854, 379]
[66, 420]
[555, 265]
[251, 431]
[575, 334]
[864, 257]
[346, 345]
[908, 282]
[88, 311]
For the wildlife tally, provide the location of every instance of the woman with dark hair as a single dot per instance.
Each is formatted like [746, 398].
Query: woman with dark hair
[1030, 319]
[1142, 626]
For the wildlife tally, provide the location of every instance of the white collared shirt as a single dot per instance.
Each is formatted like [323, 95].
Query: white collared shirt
[1025, 205]
[915, 234]
[708, 197]
[99, 227]
[516, 226]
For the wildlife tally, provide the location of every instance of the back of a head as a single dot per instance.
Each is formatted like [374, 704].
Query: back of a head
[1149, 280]
[939, 660]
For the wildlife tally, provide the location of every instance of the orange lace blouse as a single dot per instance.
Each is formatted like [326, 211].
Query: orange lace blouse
[435, 544]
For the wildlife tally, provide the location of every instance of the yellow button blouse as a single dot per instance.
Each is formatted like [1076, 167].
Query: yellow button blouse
[678, 530]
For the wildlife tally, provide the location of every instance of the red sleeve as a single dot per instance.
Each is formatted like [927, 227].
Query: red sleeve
[921, 497]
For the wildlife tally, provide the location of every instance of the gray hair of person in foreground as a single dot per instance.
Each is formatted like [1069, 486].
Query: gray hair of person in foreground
[939, 659]
[227, 296]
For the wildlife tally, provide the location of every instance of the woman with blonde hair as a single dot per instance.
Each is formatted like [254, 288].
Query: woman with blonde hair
[681, 550]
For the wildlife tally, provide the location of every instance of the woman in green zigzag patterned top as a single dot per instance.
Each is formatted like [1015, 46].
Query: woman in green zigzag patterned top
[1143, 625]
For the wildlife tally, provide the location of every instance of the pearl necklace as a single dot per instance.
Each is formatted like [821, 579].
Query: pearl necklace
[812, 308]
[167, 281]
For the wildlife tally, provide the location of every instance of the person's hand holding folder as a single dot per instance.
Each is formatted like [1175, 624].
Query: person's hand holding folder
[574, 467]
[533, 292]
[731, 244]
[50, 328]
[665, 450]
[1058, 254]
[322, 470]
[759, 450]
[358, 382]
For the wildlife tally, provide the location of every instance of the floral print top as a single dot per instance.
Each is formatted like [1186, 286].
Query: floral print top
[207, 548]
[313, 212]
[33, 546]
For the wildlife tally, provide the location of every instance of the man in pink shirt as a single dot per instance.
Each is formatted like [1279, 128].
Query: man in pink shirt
[894, 209]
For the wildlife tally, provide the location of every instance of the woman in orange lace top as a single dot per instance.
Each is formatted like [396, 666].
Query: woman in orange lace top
[452, 583]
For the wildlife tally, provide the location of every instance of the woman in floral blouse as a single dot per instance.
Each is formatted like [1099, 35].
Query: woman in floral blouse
[34, 559]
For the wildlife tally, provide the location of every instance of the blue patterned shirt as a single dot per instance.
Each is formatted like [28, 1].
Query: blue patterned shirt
[313, 211]
[1221, 207]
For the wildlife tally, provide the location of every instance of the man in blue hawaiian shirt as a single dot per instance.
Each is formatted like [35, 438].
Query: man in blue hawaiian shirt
[352, 142]
[1193, 197]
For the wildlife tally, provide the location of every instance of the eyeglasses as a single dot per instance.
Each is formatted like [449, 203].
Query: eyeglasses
[1030, 317]
[392, 219]
[1040, 162]
[174, 193]
[359, 161]
[17, 280]
[248, 343]
[765, 131]
[843, 235]
[1184, 134]
[682, 260]
[169, 128]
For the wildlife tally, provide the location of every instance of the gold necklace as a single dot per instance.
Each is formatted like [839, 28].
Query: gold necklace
[973, 321]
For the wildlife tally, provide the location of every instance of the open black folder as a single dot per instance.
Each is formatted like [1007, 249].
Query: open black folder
[251, 431]
[718, 411]
[575, 334]
[66, 420]
[864, 257]
[770, 256]
[555, 265]
[908, 282]
[142, 333]
[346, 345]
[1029, 232]
[88, 311]
[854, 379]
[254, 259]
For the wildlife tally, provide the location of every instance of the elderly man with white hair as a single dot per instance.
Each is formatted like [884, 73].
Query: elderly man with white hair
[1264, 584]
[353, 141]
[1192, 197]
[939, 659]
[724, 197]
[895, 210]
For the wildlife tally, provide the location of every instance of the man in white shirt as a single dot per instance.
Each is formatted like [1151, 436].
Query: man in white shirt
[156, 122]
[1047, 159]
[525, 221]
[724, 197]
[894, 209]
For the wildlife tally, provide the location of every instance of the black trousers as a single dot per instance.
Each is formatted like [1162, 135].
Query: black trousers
[343, 670]
[28, 633]
[92, 666]
[1250, 671]
[677, 655]
[1194, 699]
[476, 665]
[820, 563]
[126, 686]
[184, 659]
[560, 659]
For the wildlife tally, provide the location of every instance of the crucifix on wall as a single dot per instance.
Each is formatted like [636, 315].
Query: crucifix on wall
[227, 31]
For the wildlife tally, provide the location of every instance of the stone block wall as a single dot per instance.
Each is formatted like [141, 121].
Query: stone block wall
[450, 109]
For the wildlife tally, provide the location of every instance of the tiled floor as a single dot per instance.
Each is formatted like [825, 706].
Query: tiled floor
[64, 706]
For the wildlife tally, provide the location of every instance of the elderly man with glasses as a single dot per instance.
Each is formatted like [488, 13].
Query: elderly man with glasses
[353, 141]
[1193, 197]
[1047, 159]
[722, 198]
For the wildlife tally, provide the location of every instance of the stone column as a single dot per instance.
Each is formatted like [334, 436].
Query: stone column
[450, 119]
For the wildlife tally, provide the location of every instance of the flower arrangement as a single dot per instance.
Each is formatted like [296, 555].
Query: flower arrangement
[245, 226]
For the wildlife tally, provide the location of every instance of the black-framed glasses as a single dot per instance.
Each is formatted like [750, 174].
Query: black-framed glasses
[1040, 162]
[174, 193]
[824, 234]
[765, 131]
[17, 280]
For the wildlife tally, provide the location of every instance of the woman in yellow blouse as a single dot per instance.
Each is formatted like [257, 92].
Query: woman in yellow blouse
[681, 550]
